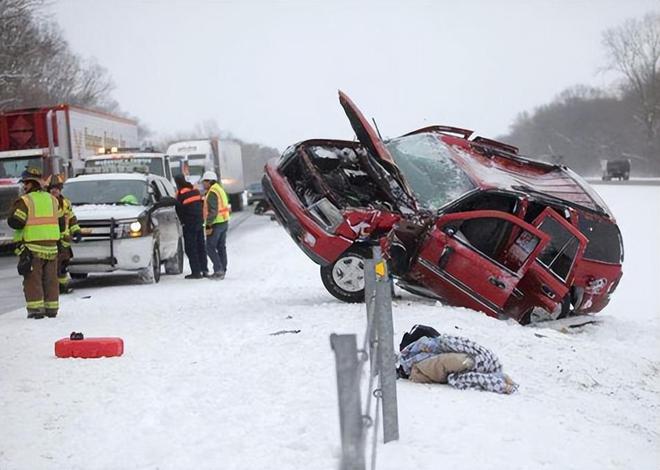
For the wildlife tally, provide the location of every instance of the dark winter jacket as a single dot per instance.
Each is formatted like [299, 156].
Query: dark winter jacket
[190, 206]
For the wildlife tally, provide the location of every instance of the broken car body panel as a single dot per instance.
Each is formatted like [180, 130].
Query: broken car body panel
[462, 219]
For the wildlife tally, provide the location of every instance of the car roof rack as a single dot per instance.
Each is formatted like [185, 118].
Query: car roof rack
[495, 144]
[464, 133]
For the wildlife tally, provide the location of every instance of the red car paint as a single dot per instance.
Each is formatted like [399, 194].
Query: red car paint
[550, 223]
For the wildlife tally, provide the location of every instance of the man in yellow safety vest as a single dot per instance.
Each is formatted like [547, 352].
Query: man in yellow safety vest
[70, 233]
[38, 224]
[216, 220]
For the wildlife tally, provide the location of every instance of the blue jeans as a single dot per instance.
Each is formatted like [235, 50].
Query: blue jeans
[193, 240]
[217, 248]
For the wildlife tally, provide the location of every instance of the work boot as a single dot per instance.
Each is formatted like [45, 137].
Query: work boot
[219, 276]
[51, 313]
[36, 314]
[193, 276]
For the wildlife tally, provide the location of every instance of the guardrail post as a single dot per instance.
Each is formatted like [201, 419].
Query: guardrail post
[386, 356]
[370, 301]
[350, 407]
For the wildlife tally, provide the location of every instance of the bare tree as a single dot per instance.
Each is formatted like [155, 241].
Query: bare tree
[37, 66]
[634, 51]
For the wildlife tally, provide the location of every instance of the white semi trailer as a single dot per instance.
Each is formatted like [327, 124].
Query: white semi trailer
[219, 155]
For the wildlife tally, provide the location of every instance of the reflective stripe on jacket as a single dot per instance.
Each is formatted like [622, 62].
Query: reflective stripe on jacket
[222, 214]
[193, 196]
[42, 230]
[70, 221]
[190, 206]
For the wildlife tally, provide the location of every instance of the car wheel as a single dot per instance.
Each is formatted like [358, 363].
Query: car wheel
[539, 315]
[261, 207]
[78, 275]
[175, 265]
[151, 274]
[236, 201]
[344, 278]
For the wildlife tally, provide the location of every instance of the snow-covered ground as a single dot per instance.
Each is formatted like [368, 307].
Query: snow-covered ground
[203, 384]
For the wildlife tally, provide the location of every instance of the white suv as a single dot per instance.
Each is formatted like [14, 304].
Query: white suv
[128, 222]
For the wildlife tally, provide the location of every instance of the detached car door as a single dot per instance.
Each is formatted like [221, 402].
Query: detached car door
[476, 259]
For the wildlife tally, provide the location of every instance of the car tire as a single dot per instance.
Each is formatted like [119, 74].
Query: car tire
[261, 207]
[175, 265]
[151, 274]
[344, 278]
[236, 201]
[78, 276]
[565, 311]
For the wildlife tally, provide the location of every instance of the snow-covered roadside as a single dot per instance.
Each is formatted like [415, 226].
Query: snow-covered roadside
[203, 384]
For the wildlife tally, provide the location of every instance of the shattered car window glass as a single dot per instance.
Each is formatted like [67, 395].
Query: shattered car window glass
[427, 165]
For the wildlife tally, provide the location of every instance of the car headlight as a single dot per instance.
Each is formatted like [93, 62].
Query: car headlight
[131, 229]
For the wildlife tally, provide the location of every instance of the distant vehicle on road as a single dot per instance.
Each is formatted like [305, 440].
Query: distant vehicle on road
[219, 155]
[255, 192]
[128, 223]
[53, 139]
[619, 169]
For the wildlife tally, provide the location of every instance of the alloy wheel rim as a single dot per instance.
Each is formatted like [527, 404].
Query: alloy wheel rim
[348, 273]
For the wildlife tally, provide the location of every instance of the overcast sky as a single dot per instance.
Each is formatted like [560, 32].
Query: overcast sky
[268, 71]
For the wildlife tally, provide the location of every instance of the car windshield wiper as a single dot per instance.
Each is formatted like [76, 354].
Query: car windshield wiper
[125, 203]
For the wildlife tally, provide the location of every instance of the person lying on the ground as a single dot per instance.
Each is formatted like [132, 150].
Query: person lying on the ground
[457, 361]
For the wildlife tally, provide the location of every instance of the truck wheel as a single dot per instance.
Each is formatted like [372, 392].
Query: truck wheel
[175, 265]
[78, 275]
[236, 201]
[151, 274]
[344, 278]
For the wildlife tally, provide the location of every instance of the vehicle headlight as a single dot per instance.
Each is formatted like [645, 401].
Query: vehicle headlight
[131, 229]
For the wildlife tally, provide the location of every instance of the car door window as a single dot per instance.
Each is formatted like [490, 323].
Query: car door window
[168, 189]
[559, 253]
[157, 192]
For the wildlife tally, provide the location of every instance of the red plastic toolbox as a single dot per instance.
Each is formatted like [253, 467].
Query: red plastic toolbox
[89, 347]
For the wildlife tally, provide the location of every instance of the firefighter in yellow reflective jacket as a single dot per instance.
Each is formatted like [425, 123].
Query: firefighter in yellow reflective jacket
[70, 233]
[38, 223]
[216, 220]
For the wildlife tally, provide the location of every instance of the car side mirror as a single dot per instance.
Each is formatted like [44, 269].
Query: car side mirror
[164, 201]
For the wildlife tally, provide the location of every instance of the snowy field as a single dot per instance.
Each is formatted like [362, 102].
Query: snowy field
[204, 385]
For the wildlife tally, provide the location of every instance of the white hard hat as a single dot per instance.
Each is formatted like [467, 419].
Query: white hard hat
[209, 176]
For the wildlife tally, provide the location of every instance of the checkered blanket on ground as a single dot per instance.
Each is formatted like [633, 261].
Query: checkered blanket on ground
[485, 375]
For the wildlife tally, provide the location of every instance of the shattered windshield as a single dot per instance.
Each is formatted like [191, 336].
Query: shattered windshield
[121, 192]
[427, 165]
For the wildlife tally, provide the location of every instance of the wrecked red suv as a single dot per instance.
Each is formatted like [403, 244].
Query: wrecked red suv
[461, 219]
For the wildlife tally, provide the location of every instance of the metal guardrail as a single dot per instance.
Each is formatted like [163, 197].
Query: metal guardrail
[378, 349]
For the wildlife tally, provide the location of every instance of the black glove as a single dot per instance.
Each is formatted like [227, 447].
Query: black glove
[76, 237]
